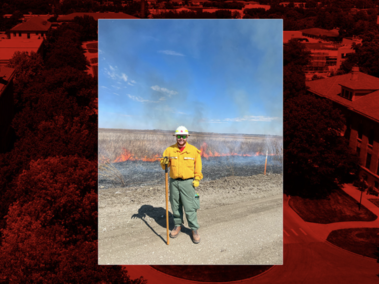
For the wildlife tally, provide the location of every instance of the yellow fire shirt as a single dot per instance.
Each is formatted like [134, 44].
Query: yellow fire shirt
[186, 164]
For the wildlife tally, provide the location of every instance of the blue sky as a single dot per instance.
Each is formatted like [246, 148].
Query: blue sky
[223, 76]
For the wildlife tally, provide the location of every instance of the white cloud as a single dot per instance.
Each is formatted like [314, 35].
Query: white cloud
[170, 52]
[164, 90]
[116, 94]
[162, 98]
[139, 99]
[115, 75]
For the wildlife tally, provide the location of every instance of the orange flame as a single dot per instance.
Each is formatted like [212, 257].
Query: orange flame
[204, 152]
[127, 156]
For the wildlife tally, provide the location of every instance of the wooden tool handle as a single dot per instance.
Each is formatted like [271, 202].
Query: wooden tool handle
[167, 223]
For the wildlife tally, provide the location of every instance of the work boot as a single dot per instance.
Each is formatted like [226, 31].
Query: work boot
[175, 232]
[195, 237]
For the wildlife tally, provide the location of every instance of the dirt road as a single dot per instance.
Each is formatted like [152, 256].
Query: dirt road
[240, 217]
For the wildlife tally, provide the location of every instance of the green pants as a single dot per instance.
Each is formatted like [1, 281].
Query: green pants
[182, 194]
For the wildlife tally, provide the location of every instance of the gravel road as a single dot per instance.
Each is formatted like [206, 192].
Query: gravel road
[241, 222]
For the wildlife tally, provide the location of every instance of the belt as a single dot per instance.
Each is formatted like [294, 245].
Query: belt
[181, 179]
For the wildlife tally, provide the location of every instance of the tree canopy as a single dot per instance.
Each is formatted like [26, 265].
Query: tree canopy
[315, 154]
[48, 181]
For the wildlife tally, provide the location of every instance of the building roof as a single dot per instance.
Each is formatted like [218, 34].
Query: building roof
[288, 35]
[96, 16]
[9, 46]
[330, 88]
[35, 24]
[321, 32]
[325, 46]
[6, 73]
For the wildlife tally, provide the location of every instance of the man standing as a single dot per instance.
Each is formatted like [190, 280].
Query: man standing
[184, 161]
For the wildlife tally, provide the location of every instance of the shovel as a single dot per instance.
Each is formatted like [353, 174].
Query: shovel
[167, 224]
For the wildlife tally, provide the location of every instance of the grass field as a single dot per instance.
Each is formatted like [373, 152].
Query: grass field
[337, 207]
[363, 241]
[150, 144]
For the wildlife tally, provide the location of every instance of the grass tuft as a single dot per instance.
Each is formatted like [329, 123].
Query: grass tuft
[109, 171]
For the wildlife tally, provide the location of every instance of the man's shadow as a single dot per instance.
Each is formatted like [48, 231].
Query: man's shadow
[159, 216]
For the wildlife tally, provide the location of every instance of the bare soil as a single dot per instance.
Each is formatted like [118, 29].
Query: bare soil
[241, 222]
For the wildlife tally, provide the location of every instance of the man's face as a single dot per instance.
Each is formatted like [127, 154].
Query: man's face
[181, 140]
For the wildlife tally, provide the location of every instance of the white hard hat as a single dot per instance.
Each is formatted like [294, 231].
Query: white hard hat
[181, 130]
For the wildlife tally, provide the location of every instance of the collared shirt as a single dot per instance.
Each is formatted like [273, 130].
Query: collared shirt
[185, 164]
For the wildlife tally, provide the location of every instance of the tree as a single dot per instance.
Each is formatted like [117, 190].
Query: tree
[28, 67]
[315, 155]
[295, 58]
[295, 52]
[89, 27]
[324, 20]
[293, 81]
[66, 54]
[51, 230]
[223, 14]
[311, 4]
[366, 55]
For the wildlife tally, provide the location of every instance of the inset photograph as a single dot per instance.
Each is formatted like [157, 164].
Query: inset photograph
[190, 142]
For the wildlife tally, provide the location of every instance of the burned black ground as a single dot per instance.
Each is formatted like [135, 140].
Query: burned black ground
[139, 173]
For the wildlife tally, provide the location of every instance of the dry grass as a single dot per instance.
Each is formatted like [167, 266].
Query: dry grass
[148, 144]
[107, 170]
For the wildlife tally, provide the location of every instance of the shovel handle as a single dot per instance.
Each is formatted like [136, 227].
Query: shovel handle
[167, 223]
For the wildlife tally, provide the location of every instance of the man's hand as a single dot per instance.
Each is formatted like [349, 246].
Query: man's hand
[165, 161]
[195, 183]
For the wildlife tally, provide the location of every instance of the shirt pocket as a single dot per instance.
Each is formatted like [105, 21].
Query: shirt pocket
[173, 161]
[189, 162]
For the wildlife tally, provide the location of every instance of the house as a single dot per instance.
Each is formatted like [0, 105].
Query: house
[254, 5]
[295, 4]
[321, 33]
[356, 94]
[96, 16]
[9, 46]
[90, 49]
[33, 28]
[6, 107]
[312, 35]
[325, 58]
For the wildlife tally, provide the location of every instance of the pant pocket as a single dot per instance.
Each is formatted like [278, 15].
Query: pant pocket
[197, 201]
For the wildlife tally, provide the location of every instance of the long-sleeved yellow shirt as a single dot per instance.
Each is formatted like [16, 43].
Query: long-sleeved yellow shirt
[186, 164]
